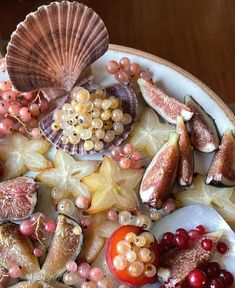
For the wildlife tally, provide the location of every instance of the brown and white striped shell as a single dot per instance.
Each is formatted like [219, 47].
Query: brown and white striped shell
[54, 46]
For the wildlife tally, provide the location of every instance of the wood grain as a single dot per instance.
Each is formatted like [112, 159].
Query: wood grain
[197, 35]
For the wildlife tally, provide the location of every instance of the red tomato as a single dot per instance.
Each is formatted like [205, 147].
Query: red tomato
[111, 252]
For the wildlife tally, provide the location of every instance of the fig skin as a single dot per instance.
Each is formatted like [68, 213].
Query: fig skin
[160, 176]
[176, 264]
[204, 135]
[168, 107]
[18, 198]
[186, 162]
[222, 168]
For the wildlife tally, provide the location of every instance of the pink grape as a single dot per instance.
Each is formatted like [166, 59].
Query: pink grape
[6, 126]
[37, 252]
[112, 67]
[145, 74]
[26, 228]
[96, 274]
[14, 109]
[82, 202]
[125, 64]
[34, 217]
[50, 226]
[44, 106]
[112, 215]
[86, 222]
[136, 155]
[28, 95]
[34, 108]
[5, 86]
[71, 266]
[3, 106]
[14, 271]
[116, 153]
[135, 69]
[25, 114]
[128, 149]
[121, 76]
[125, 163]
[84, 270]
[36, 134]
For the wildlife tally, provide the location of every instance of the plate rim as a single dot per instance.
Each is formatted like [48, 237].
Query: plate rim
[224, 107]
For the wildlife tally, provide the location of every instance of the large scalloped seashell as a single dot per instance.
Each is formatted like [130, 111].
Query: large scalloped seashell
[54, 46]
[129, 104]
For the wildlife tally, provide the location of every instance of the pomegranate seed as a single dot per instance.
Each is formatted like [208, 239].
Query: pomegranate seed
[168, 239]
[197, 278]
[180, 241]
[222, 247]
[182, 232]
[207, 244]
[193, 234]
[215, 283]
[226, 277]
[201, 229]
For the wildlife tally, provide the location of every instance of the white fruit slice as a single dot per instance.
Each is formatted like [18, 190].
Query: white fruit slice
[149, 134]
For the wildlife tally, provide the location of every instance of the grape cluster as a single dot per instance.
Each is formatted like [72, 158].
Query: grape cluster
[19, 111]
[94, 118]
[126, 72]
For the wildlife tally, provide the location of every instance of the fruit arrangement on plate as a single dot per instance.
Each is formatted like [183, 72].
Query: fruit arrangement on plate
[98, 182]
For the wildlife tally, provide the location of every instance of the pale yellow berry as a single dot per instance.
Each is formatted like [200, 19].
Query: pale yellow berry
[100, 133]
[97, 102]
[80, 108]
[57, 115]
[126, 119]
[73, 102]
[109, 136]
[55, 126]
[105, 115]
[100, 93]
[74, 139]
[98, 146]
[140, 241]
[88, 106]
[130, 237]
[108, 125]
[105, 104]
[95, 113]
[114, 102]
[85, 134]
[97, 123]
[117, 115]
[78, 129]
[80, 94]
[88, 145]
[67, 107]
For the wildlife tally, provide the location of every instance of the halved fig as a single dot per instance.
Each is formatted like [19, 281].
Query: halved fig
[18, 198]
[168, 107]
[204, 135]
[39, 284]
[176, 264]
[17, 248]
[185, 171]
[222, 169]
[66, 245]
[160, 176]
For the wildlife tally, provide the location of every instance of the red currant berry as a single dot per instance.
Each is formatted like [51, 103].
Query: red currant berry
[168, 239]
[50, 226]
[222, 247]
[197, 278]
[182, 231]
[193, 234]
[180, 241]
[212, 270]
[207, 244]
[226, 277]
[215, 283]
[201, 229]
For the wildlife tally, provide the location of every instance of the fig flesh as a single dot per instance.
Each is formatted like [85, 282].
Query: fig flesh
[186, 162]
[65, 246]
[204, 136]
[160, 176]
[168, 107]
[17, 248]
[18, 198]
[222, 169]
[176, 264]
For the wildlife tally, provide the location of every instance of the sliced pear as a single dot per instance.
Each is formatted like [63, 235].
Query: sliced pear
[67, 173]
[218, 198]
[113, 187]
[149, 134]
[66, 245]
[14, 247]
[24, 154]
[222, 169]
[160, 176]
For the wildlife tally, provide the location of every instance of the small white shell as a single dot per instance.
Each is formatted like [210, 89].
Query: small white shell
[53, 46]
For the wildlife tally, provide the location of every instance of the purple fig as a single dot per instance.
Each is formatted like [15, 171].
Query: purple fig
[18, 198]
[185, 171]
[168, 107]
[160, 176]
[204, 136]
[176, 264]
[65, 246]
[222, 169]
[17, 248]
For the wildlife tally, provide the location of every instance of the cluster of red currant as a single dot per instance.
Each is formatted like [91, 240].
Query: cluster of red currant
[20, 111]
[126, 156]
[35, 226]
[126, 72]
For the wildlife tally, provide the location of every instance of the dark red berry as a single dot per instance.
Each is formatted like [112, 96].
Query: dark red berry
[197, 278]
[161, 248]
[215, 265]
[207, 244]
[1, 170]
[193, 234]
[212, 271]
[201, 229]
[226, 277]
[215, 283]
[182, 232]
[204, 266]
[222, 247]
[168, 239]
[181, 241]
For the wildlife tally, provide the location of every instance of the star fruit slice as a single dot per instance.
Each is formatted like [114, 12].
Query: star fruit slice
[149, 134]
[22, 154]
[113, 187]
[67, 173]
[216, 197]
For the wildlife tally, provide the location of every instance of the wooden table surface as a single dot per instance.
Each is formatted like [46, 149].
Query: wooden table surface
[197, 35]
